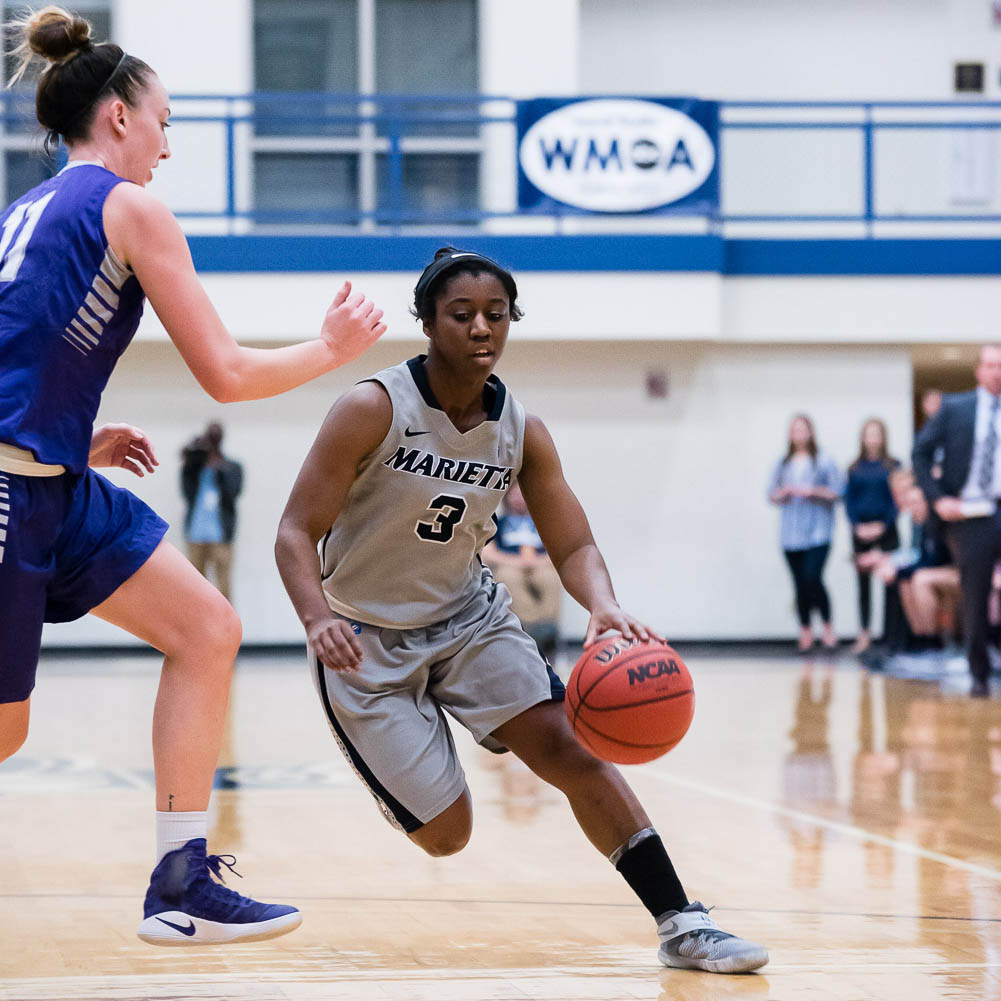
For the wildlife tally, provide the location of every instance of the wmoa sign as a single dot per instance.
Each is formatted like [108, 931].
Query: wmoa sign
[618, 155]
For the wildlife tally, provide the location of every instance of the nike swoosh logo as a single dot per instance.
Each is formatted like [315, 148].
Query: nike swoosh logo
[190, 930]
[413, 434]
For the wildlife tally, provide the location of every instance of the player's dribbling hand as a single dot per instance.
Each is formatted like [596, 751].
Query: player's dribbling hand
[610, 616]
[352, 325]
[335, 644]
[122, 446]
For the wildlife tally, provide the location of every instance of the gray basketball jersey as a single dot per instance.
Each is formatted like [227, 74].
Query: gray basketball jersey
[404, 551]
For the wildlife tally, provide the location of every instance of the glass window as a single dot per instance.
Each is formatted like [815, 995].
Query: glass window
[415, 55]
[306, 45]
[318, 187]
[312, 47]
[309, 45]
[436, 185]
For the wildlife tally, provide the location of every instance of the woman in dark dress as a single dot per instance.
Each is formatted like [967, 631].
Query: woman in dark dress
[872, 514]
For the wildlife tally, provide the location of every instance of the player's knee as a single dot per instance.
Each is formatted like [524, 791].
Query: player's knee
[230, 634]
[13, 733]
[449, 832]
[220, 632]
[11, 743]
[443, 843]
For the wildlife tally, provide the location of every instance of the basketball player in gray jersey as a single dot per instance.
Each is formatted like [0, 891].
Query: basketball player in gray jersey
[403, 621]
[445, 486]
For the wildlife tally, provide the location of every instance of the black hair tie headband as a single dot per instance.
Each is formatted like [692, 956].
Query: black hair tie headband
[435, 268]
[114, 73]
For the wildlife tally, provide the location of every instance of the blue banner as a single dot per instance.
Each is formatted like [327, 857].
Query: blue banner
[618, 155]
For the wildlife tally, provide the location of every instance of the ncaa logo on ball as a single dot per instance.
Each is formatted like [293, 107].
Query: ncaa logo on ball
[617, 155]
[652, 669]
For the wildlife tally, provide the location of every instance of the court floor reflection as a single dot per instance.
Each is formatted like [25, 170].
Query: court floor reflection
[850, 821]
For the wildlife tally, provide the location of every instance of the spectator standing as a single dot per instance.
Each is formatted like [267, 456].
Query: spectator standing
[518, 560]
[873, 516]
[806, 484]
[210, 484]
[961, 442]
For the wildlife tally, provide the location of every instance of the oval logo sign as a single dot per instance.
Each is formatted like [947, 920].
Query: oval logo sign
[616, 155]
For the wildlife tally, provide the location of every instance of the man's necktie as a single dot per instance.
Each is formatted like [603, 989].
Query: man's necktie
[986, 479]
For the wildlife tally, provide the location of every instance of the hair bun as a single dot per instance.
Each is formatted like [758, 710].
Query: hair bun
[55, 34]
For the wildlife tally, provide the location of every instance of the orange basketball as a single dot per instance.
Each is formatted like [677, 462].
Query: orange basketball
[629, 702]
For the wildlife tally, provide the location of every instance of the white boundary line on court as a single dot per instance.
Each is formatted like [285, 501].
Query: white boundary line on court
[150, 986]
[848, 830]
[47, 988]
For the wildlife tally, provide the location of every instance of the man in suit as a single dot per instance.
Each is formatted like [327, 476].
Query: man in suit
[960, 444]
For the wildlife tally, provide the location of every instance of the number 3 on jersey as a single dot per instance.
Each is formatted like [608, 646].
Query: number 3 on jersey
[12, 254]
[448, 512]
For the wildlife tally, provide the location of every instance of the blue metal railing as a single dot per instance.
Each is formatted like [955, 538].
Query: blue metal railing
[870, 127]
[378, 141]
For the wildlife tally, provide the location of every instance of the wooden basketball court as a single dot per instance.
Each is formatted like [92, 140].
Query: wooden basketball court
[850, 822]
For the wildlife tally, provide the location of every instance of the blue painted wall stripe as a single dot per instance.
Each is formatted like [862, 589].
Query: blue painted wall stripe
[639, 253]
[863, 257]
[412, 253]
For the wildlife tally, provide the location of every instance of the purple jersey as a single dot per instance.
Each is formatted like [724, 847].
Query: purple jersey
[68, 309]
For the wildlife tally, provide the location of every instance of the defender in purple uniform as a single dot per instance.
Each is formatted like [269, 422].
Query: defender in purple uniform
[78, 256]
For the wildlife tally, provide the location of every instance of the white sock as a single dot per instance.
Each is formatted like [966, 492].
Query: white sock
[175, 830]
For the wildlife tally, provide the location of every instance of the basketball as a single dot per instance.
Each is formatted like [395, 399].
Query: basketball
[629, 702]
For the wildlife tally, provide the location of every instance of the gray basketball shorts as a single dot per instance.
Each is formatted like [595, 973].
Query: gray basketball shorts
[388, 718]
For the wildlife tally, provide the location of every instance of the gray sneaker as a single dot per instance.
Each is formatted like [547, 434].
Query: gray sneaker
[691, 940]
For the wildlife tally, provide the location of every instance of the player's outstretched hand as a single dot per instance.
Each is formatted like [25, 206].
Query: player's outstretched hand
[122, 446]
[335, 644]
[352, 325]
[610, 616]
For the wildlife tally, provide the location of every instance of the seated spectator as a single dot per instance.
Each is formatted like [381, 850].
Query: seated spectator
[927, 581]
[897, 635]
[518, 560]
[873, 516]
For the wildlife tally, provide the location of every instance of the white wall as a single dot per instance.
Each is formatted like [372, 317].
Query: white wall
[769, 49]
[564, 306]
[809, 50]
[195, 47]
[541, 67]
[783, 49]
[560, 306]
[542, 36]
[674, 487]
